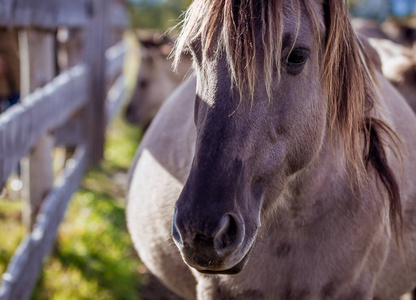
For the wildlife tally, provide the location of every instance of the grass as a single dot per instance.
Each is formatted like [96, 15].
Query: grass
[11, 230]
[94, 257]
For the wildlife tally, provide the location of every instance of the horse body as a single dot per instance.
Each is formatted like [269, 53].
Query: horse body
[258, 196]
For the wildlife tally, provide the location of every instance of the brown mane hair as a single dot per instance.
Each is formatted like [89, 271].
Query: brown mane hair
[229, 26]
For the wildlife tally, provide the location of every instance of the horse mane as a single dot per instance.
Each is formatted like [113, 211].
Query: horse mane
[229, 26]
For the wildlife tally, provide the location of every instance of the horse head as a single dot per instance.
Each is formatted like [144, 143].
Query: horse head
[275, 80]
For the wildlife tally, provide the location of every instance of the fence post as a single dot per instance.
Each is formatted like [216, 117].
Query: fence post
[96, 45]
[37, 68]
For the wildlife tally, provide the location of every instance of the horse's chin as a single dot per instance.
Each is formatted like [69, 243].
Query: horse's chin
[231, 271]
[220, 269]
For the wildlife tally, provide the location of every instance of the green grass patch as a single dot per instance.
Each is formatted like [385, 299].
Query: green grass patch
[11, 230]
[94, 257]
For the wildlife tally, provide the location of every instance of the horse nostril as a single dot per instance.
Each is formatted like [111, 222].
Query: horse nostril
[230, 234]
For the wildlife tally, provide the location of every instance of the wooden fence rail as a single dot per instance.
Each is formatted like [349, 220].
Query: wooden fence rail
[67, 109]
[49, 14]
[46, 14]
[42, 111]
[26, 264]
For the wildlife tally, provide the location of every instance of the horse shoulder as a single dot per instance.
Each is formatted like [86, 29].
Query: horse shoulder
[158, 173]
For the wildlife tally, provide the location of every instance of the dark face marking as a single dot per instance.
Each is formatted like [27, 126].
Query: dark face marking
[283, 250]
[296, 294]
[328, 290]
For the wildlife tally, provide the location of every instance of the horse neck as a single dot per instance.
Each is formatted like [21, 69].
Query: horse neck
[329, 164]
[323, 185]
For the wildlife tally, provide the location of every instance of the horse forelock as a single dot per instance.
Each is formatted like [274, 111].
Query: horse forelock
[231, 27]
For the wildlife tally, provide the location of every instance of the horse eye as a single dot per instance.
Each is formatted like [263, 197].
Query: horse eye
[143, 84]
[296, 61]
[297, 57]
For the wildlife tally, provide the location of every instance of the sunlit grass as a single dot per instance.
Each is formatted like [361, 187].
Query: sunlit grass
[11, 230]
[94, 257]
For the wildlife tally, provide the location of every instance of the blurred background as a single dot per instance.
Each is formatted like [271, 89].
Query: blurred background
[93, 257]
[162, 14]
[382, 9]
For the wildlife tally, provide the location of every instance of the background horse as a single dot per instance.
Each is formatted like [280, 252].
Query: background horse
[398, 65]
[396, 61]
[276, 167]
[156, 79]
[392, 29]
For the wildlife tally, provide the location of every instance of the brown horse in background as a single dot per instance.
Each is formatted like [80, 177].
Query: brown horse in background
[277, 172]
[391, 55]
[398, 65]
[156, 79]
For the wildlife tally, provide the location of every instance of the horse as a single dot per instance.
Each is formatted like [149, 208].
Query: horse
[283, 168]
[156, 79]
[391, 29]
[398, 65]
[397, 62]
[370, 29]
[400, 32]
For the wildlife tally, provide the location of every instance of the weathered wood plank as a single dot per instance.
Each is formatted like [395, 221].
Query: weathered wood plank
[70, 134]
[118, 15]
[45, 109]
[38, 48]
[114, 60]
[97, 36]
[5, 11]
[49, 14]
[46, 14]
[25, 266]
[22, 13]
[115, 99]
[73, 13]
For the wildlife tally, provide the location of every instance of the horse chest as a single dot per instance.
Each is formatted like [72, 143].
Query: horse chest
[285, 268]
[285, 281]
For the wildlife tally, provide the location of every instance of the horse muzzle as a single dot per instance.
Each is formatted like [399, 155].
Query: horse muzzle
[219, 250]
